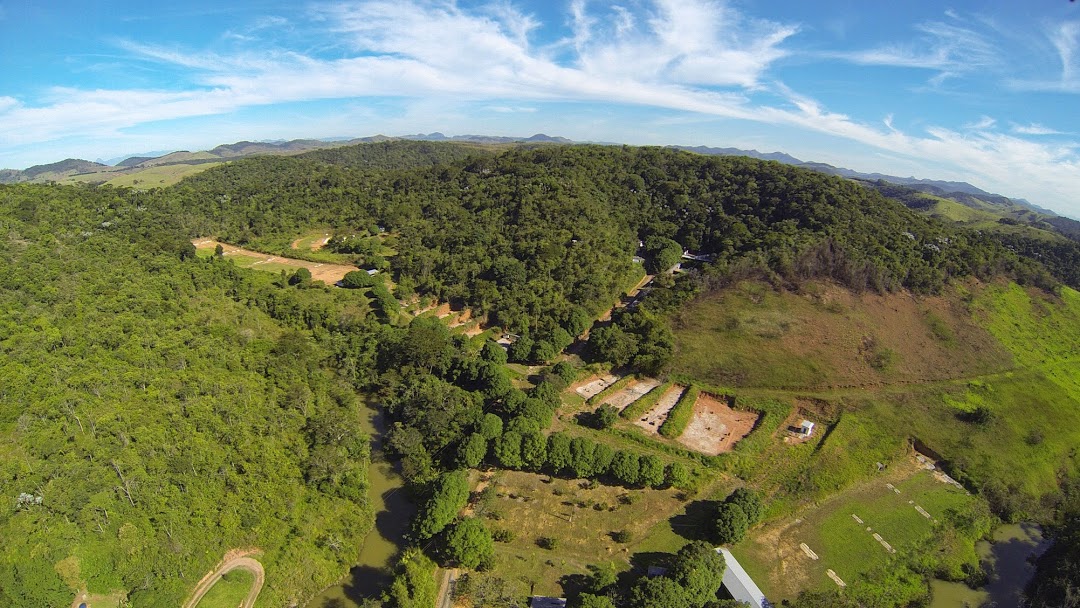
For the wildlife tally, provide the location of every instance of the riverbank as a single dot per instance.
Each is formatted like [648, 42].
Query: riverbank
[393, 514]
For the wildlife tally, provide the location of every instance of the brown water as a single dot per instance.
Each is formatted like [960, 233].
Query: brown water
[1008, 558]
[393, 513]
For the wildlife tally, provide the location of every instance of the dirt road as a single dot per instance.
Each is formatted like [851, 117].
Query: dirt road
[230, 563]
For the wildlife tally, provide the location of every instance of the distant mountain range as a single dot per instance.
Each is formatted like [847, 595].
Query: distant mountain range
[161, 168]
[120, 170]
[932, 186]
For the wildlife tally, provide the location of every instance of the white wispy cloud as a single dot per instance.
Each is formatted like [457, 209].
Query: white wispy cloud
[984, 123]
[949, 50]
[1035, 129]
[511, 109]
[1066, 39]
[696, 56]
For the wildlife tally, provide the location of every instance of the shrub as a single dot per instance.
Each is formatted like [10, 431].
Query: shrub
[750, 502]
[680, 415]
[731, 523]
[605, 416]
[548, 542]
[677, 476]
[638, 408]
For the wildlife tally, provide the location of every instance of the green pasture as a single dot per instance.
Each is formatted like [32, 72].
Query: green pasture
[847, 547]
[160, 176]
[579, 516]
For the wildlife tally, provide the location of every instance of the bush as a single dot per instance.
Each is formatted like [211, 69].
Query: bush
[638, 408]
[651, 471]
[981, 416]
[621, 536]
[677, 476]
[491, 352]
[731, 523]
[301, 278]
[520, 350]
[469, 544]
[548, 542]
[750, 502]
[604, 417]
[357, 279]
[566, 371]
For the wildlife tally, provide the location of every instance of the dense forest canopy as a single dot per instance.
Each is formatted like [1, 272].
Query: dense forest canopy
[158, 408]
[152, 416]
[533, 236]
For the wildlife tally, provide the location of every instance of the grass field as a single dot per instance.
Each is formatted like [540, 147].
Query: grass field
[230, 591]
[244, 258]
[985, 375]
[311, 241]
[752, 336]
[581, 520]
[987, 218]
[775, 558]
[159, 177]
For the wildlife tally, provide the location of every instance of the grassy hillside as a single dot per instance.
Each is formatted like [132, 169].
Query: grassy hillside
[985, 376]
[159, 176]
[753, 336]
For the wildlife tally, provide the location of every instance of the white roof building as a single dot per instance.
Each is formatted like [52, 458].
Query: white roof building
[739, 584]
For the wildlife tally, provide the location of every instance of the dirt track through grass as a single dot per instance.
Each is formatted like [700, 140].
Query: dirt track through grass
[327, 273]
[230, 563]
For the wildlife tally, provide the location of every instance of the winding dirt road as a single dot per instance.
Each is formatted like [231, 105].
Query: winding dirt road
[230, 563]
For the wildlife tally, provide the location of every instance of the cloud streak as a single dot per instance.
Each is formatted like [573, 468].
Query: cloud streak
[695, 56]
[948, 49]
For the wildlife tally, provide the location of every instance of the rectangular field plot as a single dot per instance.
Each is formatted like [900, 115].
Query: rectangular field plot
[653, 418]
[632, 393]
[852, 533]
[715, 427]
[328, 273]
[595, 386]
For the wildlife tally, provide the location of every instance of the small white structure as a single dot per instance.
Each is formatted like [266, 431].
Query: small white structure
[806, 428]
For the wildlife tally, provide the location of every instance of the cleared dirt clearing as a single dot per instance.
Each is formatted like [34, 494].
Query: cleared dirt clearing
[327, 273]
[652, 419]
[621, 399]
[715, 427]
[313, 242]
[593, 386]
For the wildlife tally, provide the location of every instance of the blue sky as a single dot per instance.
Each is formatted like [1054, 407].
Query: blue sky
[984, 92]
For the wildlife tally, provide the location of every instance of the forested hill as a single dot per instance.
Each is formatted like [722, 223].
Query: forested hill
[564, 221]
[156, 411]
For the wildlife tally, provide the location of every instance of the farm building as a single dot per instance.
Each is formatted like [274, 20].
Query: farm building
[540, 601]
[806, 428]
[738, 583]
